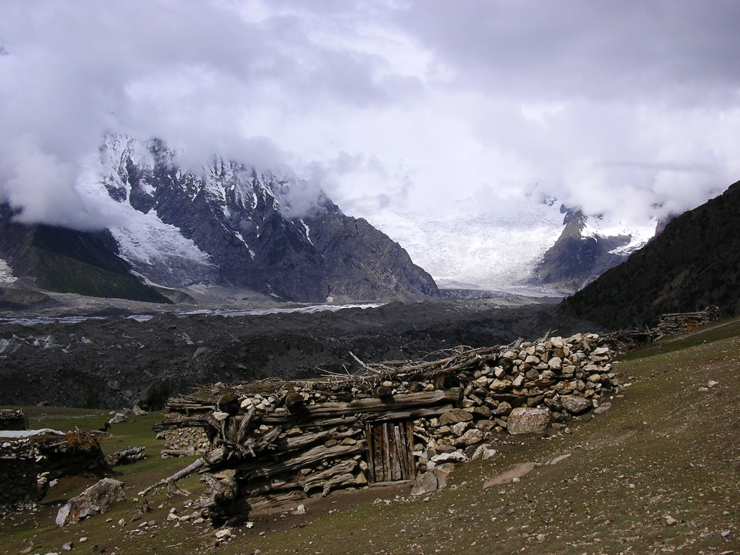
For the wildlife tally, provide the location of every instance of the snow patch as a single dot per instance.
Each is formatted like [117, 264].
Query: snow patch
[6, 273]
[603, 227]
[307, 231]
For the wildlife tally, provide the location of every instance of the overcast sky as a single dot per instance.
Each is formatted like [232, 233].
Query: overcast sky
[630, 108]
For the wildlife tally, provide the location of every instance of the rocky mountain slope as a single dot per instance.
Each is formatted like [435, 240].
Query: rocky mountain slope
[68, 260]
[694, 263]
[225, 224]
[584, 251]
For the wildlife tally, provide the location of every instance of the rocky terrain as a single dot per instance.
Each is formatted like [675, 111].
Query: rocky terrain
[113, 360]
[578, 257]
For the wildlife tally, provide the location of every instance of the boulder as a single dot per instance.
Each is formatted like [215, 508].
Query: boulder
[510, 474]
[454, 456]
[96, 499]
[555, 363]
[484, 452]
[425, 483]
[442, 472]
[502, 409]
[471, 437]
[575, 404]
[526, 420]
[454, 416]
[118, 418]
[460, 428]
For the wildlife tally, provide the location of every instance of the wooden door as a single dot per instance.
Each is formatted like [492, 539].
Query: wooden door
[390, 451]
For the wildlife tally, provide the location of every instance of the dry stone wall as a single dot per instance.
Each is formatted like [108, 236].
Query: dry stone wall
[19, 472]
[185, 441]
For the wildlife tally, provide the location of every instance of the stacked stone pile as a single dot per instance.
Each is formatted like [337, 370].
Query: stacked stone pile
[682, 321]
[19, 472]
[181, 442]
[13, 420]
[285, 439]
[27, 465]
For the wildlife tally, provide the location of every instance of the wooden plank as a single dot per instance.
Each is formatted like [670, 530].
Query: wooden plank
[387, 473]
[263, 502]
[380, 465]
[409, 415]
[319, 479]
[359, 406]
[396, 451]
[370, 450]
[410, 466]
[272, 418]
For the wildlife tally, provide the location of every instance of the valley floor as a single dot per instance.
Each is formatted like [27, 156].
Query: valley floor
[116, 359]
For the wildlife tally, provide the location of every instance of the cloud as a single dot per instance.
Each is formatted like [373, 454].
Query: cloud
[197, 74]
[402, 106]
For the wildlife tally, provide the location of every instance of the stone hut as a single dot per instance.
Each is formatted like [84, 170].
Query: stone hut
[278, 441]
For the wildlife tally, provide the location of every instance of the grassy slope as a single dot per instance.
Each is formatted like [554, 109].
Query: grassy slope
[664, 448]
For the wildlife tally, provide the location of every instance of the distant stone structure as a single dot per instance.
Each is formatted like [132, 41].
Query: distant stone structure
[27, 465]
[13, 420]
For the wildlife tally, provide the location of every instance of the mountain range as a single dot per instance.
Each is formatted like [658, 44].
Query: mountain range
[225, 224]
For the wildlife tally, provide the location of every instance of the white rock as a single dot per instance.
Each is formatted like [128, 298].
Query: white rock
[454, 456]
[471, 437]
[526, 420]
[484, 452]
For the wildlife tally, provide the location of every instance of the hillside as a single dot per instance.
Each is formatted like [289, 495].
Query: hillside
[67, 260]
[694, 263]
[654, 474]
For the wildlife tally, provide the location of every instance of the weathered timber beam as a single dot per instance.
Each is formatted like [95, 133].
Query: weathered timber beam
[319, 479]
[310, 457]
[409, 415]
[338, 481]
[260, 488]
[209, 459]
[272, 501]
[396, 403]
[304, 440]
[271, 418]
